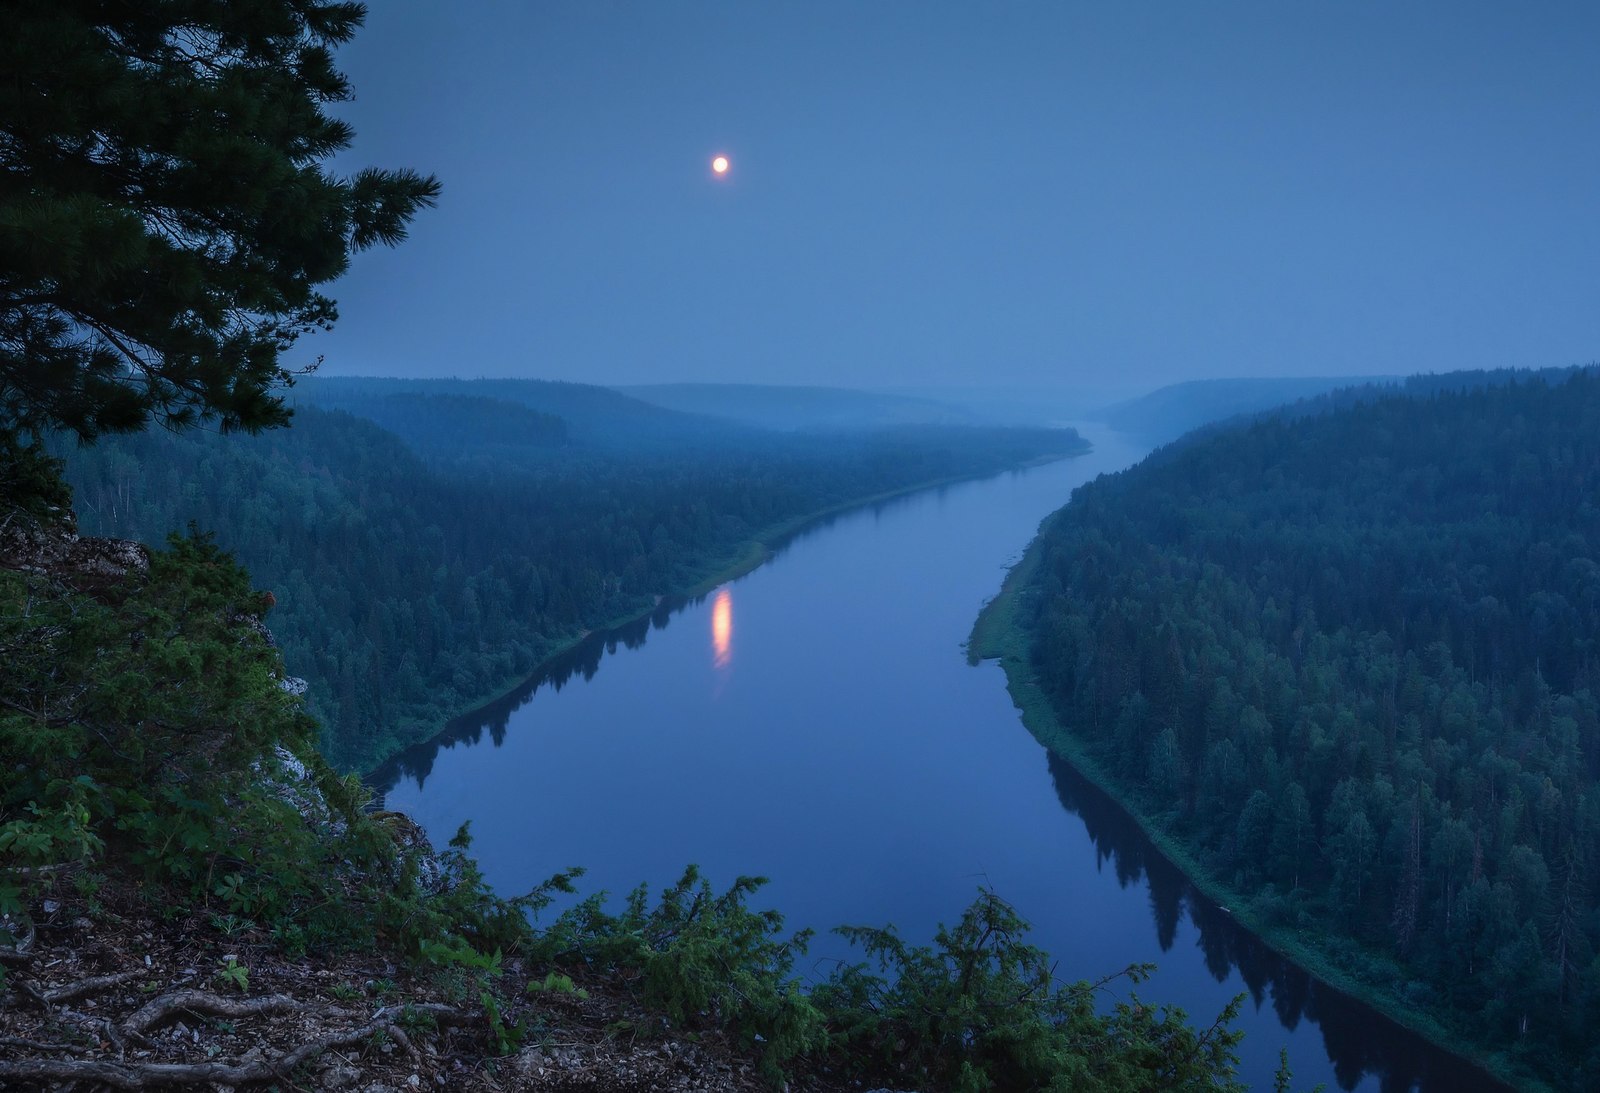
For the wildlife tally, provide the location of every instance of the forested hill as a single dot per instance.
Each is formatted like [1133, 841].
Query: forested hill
[1168, 412]
[772, 406]
[591, 417]
[1185, 411]
[416, 578]
[1351, 663]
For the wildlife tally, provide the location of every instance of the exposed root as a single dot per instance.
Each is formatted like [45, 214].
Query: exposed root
[169, 1006]
[397, 1034]
[159, 1075]
[86, 987]
[18, 953]
[35, 1045]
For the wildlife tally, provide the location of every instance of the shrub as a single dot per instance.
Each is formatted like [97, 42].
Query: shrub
[979, 1009]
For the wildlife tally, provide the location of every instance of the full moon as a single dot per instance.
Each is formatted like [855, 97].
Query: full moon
[720, 165]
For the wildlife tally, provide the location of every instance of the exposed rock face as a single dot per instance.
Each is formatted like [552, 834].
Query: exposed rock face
[289, 780]
[286, 777]
[436, 873]
[59, 551]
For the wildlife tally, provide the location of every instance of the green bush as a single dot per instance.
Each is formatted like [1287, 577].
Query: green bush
[980, 1009]
[140, 729]
[703, 957]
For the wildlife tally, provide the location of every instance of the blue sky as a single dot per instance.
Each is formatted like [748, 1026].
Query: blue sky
[1100, 196]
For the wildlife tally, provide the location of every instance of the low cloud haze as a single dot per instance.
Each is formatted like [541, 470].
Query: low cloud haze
[1102, 197]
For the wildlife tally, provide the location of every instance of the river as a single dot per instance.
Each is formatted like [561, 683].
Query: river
[816, 721]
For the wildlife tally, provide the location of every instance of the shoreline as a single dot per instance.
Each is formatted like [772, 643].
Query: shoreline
[997, 636]
[749, 556]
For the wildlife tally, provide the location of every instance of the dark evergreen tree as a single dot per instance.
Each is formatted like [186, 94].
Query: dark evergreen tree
[166, 215]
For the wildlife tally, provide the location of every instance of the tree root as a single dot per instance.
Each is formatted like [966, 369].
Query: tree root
[18, 953]
[168, 1006]
[87, 987]
[160, 1075]
[35, 1045]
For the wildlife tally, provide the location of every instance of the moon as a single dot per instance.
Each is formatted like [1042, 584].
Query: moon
[719, 165]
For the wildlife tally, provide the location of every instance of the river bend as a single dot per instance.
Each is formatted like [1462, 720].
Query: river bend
[816, 721]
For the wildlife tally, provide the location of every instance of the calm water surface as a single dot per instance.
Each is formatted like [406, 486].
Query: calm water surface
[817, 722]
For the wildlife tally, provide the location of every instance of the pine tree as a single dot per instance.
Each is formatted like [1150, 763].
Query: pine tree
[166, 216]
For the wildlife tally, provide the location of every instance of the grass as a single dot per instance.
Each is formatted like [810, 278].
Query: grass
[998, 635]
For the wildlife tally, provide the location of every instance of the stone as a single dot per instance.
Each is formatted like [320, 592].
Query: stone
[340, 1075]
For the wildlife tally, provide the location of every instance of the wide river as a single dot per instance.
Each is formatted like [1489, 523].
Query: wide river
[816, 722]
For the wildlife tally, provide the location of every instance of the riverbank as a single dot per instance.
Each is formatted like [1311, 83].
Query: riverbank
[998, 635]
[698, 581]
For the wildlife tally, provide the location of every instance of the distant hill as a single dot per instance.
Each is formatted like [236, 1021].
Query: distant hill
[799, 408]
[1046, 405]
[454, 425]
[590, 416]
[1168, 412]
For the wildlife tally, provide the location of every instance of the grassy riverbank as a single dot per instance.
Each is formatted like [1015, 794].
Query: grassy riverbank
[1371, 978]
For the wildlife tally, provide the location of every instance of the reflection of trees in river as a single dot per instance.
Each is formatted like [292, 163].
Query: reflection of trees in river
[583, 659]
[1358, 1041]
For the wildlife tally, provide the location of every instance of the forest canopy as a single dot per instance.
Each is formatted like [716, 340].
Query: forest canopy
[417, 577]
[1352, 663]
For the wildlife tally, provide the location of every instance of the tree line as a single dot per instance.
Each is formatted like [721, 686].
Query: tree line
[1351, 662]
[409, 589]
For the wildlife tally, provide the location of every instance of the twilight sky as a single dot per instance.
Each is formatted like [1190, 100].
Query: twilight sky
[1110, 196]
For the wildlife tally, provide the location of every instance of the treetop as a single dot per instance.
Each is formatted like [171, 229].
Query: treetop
[166, 213]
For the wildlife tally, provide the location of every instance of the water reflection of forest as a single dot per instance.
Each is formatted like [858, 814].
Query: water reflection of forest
[583, 659]
[1358, 1041]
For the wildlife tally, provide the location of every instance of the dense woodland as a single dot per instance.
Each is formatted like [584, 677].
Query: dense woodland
[1170, 412]
[415, 577]
[1351, 662]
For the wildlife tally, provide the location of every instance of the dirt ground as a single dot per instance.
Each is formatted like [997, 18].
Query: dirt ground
[111, 996]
